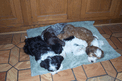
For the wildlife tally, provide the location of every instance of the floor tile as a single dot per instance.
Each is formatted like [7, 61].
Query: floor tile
[6, 39]
[12, 75]
[109, 68]
[4, 56]
[100, 30]
[23, 36]
[23, 65]
[21, 45]
[2, 76]
[16, 39]
[94, 69]
[14, 56]
[119, 51]
[106, 30]
[65, 75]
[6, 46]
[117, 62]
[100, 22]
[4, 67]
[117, 34]
[46, 77]
[116, 42]
[115, 28]
[25, 75]
[106, 36]
[102, 78]
[78, 71]
[111, 43]
[119, 76]
[120, 39]
[117, 80]
[23, 56]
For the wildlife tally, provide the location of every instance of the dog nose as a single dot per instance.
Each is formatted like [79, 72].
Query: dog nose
[92, 61]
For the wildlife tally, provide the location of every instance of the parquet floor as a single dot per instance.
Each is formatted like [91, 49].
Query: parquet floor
[15, 64]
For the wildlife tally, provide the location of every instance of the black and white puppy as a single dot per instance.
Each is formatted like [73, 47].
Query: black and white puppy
[43, 53]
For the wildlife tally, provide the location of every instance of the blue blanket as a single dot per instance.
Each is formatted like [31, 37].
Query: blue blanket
[72, 61]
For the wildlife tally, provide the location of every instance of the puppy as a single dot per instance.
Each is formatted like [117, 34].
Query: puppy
[43, 53]
[55, 43]
[78, 32]
[74, 45]
[53, 63]
[94, 53]
[50, 36]
[84, 34]
[56, 29]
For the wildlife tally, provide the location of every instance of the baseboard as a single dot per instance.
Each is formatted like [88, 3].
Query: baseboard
[12, 32]
[107, 24]
[26, 31]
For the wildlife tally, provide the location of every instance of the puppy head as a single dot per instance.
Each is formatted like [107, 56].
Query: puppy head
[94, 53]
[26, 47]
[57, 48]
[52, 63]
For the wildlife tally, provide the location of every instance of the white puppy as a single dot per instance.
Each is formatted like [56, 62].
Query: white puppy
[74, 45]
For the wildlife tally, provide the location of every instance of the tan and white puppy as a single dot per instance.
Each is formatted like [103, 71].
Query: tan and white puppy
[82, 33]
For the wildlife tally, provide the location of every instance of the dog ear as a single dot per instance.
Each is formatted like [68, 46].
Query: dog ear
[57, 48]
[45, 64]
[102, 54]
[61, 42]
[87, 50]
[58, 58]
[26, 47]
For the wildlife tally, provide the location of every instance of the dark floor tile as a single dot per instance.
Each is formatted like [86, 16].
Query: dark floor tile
[2, 76]
[6, 39]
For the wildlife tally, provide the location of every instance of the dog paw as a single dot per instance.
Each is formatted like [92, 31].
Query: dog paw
[26, 37]
[101, 42]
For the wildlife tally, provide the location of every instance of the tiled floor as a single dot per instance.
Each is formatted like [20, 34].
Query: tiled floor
[15, 64]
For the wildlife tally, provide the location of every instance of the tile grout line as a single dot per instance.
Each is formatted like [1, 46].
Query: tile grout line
[9, 56]
[19, 56]
[40, 77]
[21, 37]
[17, 75]
[103, 68]
[52, 77]
[12, 38]
[84, 72]
[114, 69]
[74, 74]
[6, 76]
[102, 30]
[97, 76]
[113, 43]
[119, 40]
